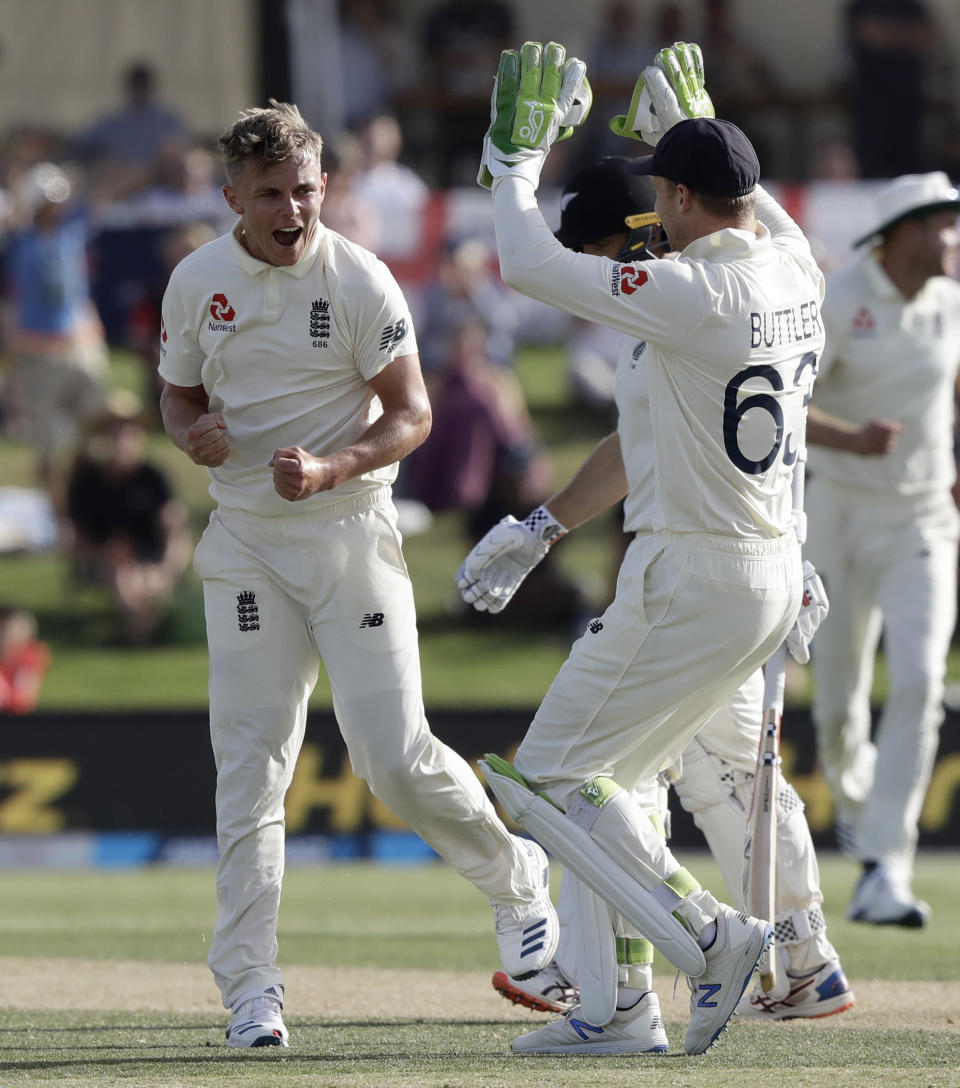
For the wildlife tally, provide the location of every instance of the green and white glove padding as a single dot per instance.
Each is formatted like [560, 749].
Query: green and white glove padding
[667, 91]
[498, 564]
[539, 96]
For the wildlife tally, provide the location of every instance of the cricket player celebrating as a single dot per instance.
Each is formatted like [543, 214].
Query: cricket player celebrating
[714, 582]
[883, 529]
[608, 212]
[292, 374]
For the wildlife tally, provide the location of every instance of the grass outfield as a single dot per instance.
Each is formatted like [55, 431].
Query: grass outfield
[104, 983]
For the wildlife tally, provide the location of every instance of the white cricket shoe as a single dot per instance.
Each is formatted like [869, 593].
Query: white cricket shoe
[257, 1021]
[731, 961]
[528, 935]
[546, 991]
[631, 1031]
[824, 992]
[883, 897]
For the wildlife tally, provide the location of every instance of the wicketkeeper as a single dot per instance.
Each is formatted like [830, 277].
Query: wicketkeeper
[712, 582]
[608, 211]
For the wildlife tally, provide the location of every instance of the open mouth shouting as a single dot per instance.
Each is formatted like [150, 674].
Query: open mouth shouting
[288, 236]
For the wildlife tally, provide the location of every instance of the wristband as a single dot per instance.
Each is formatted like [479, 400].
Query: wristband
[544, 526]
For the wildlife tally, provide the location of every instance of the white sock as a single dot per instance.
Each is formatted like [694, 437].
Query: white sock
[707, 935]
[627, 998]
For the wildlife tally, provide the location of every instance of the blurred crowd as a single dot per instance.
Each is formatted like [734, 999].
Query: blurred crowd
[92, 222]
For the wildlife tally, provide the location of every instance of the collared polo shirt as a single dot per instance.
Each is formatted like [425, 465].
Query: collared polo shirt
[285, 353]
[890, 357]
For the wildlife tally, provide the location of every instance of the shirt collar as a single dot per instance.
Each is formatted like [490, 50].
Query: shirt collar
[880, 282]
[729, 244]
[254, 267]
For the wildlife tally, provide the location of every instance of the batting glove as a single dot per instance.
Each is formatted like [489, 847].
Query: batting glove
[498, 564]
[667, 91]
[539, 97]
[813, 611]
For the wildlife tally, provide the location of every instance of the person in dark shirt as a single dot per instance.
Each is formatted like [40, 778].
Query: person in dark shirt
[129, 531]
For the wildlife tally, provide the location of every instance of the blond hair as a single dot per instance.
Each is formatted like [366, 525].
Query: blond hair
[265, 137]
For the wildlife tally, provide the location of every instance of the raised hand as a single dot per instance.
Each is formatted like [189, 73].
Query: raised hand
[539, 97]
[670, 90]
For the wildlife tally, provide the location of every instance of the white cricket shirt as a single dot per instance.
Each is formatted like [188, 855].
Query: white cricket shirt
[733, 333]
[888, 357]
[285, 354]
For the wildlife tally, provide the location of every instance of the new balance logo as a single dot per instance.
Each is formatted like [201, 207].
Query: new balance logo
[248, 613]
[371, 619]
[708, 990]
[393, 334]
[594, 627]
[581, 1027]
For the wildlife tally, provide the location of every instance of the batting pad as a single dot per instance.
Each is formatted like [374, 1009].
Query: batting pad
[583, 857]
[595, 948]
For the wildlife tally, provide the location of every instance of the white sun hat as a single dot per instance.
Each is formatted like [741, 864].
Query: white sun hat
[910, 195]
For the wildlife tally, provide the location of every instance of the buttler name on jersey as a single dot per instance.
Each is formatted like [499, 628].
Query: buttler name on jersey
[788, 326]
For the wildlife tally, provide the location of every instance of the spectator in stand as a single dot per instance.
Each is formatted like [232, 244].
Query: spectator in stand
[144, 316]
[483, 458]
[130, 532]
[128, 138]
[377, 59]
[344, 210]
[622, 36]
[741, 81]
[889, 43]
[24, 660]
[56, 340]
[181, 186]
[461, 42]
[385, 182]
[465, 286]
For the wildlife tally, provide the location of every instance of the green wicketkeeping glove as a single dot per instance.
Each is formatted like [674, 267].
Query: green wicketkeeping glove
[539, 96]
[667, 91]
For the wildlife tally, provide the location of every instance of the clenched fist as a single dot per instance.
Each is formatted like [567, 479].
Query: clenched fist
[207, 442]
[298, 474]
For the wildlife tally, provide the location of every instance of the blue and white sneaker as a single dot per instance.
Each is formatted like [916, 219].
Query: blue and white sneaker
[528, 934]
[824, 992]
[256, 1021]
[731, 961]
[638, 1030]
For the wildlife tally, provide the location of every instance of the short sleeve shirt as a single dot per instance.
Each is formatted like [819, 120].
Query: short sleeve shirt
[285, 353]
[889, 357]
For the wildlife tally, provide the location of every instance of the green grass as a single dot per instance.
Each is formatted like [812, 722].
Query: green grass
[336, 916]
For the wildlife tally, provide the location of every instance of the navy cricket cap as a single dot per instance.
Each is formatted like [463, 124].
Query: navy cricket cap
[709, 156]
[597, 200]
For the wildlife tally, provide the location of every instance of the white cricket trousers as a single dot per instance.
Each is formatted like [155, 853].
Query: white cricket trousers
[694, 615]
[888, 563]
[279, 594]
[716, 787]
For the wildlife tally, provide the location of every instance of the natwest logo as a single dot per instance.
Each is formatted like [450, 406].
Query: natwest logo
[631, 278]
[220, 308]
